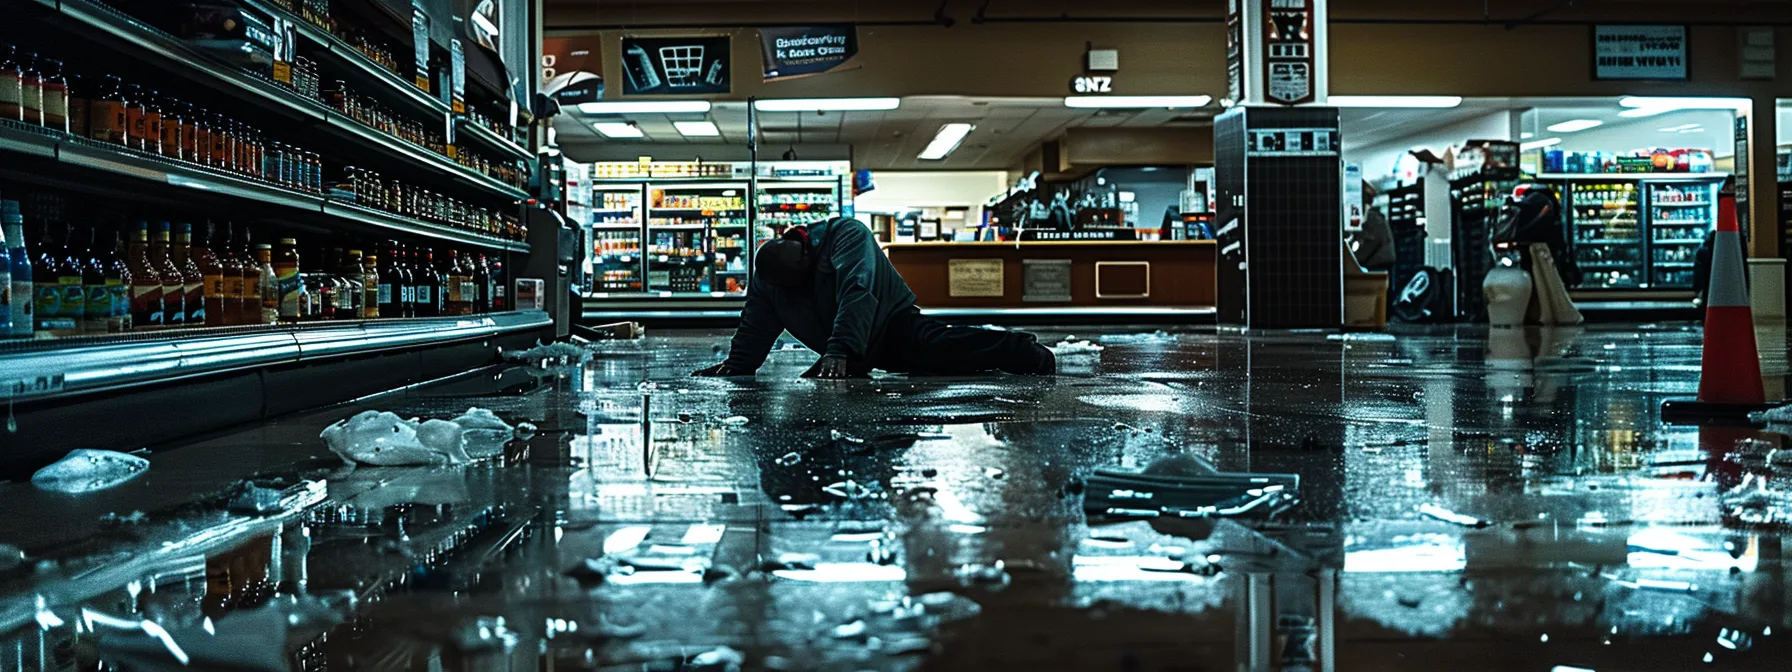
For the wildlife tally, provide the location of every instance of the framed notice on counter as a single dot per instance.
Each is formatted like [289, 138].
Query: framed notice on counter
[1045, 280]
[974, 278]
[1639, 52]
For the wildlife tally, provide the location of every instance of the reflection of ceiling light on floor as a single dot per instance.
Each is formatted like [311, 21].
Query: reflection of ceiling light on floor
[646, 107]
[947, 140]
[1526, 135]
[1573, 125]
[1135, 102]
[1540, 144]
[689, 129]
[1394, 101]
[617, 129]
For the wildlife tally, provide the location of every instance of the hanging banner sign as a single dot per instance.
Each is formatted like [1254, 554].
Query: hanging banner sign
[420, 44]
[1288, 51]
[457, 78]
[1234, 51]
[1639, 52]
[674, 65]
[572, 69]
[806, 50]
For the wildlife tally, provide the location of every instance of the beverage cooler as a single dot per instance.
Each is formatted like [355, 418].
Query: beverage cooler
[1639, 232]
[687, 230]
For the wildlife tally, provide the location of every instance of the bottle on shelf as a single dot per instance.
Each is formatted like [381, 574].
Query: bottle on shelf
[108, 113]
[196, 136]
[71, 285]
[174, 307]
[55, 95]
[373, 287]
[31, 90]
[192, 281]
[354, 286]
[174, 130]
[235, 297]
[211, 274]
[22, 310]
[7, 233]
[428, 292]
[269, 284]
[11, 74]
[455, 298]
[118, 284]
[394, 297]
[291, 289]
[97, 305]
[146, 281]
[482, 286]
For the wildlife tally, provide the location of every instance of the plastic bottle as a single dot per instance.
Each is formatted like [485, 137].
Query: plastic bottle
[291, 288]
[269, 284]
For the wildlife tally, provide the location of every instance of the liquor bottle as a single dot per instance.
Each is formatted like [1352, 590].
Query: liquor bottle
[469, 290]
[390, 294]
[191, 279]
[500, 286]
[174, 288]
[146, 281]
[406, 284]
[247, 285]
[324, 292]
[23, 310]
[354, 278]
[482, 286]
[211, 274]
[375, 289]
[5, 280]
[286, 274]
[457, 300]
[71, 285]
[429, 285]
[108, 113]
[97, 307]
[31, 90]
[11, 75]
[268, 285]
[118, 284]
[46, 293]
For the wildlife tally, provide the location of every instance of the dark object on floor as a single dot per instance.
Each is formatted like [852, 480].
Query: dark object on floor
[1124, 494]
[613, 331]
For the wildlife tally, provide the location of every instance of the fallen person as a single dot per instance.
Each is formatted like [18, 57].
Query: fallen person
[832, 288]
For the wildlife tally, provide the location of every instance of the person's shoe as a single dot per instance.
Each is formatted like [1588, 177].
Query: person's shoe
[1048, 362]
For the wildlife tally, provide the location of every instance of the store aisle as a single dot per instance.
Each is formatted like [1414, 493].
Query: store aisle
[1465, 502]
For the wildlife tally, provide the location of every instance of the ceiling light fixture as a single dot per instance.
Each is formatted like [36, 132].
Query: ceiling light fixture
[697, 129]
[1540, 144]
[1526, 135]
[1684, 103]
[618, 129]
[646, 107]
[1135, 102]
[1573, 125]
[948, 139]
[827, 104]
[1394, 101]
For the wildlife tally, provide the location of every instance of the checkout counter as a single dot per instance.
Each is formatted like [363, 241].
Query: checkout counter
[1059, 273]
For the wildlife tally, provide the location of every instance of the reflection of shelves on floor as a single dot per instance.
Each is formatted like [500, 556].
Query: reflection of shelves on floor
[1699, 204]
[616, 227]
[676, 227]
[1687, 241]
[1609, 264]
[1668, 223]
[1673, 264]
[1622, 241]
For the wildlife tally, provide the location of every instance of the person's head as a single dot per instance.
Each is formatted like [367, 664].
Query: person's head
[786, 260]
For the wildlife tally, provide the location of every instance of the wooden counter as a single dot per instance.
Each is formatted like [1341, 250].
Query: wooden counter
[1170, 273]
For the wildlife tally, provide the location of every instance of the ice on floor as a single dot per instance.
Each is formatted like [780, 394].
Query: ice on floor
[546, 351]
[1070, 346]
[483, 432]
[1776, 416]
[382, 439]
[87, 470]
[1159, 336]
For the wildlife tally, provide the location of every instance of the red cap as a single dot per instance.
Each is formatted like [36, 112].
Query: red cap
[1726, 214]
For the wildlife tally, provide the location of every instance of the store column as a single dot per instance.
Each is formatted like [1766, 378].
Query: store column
[1278, 171]
[1758, 193]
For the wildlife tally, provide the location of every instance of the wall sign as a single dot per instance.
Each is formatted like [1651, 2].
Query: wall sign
[1092, 84]
[1045, 280]
[572, 69]
[457, 77]
[974, 278]
[1739, 183]
[1234, 51]
[420, 45]
[1288, 51]
[806, 50]
[1639, 52]
[672, 65]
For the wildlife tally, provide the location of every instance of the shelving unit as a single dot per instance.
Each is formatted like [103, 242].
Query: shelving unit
[683, 221]
[1605, 222]
[1680, 214]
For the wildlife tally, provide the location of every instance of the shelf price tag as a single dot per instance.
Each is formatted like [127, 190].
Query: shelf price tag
[420, 44]
[457, 61]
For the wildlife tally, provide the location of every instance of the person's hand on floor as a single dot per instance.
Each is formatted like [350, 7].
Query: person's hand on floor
[829, 367]
[723, 369]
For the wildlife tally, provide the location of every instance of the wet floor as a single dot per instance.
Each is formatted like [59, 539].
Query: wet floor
[1464, 502]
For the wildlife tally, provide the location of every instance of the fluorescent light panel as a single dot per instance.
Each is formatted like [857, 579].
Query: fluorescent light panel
[1684, 103]
[827, 104]
[1394, 101]
[1135, 102]
[948, 139]
[697, 129]
[1540, 144]
[1573, 125]
[617, 129]
[647, 107]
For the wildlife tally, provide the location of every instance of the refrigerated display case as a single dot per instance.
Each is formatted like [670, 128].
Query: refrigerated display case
[1680, 214]
[1606, 220]
[684, 222]
[615, 238]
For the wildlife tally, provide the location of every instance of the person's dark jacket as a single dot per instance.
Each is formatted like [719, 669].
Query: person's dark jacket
[1537, 218]
[856, 291]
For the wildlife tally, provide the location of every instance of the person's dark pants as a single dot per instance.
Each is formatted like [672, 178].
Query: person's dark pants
[915, 343]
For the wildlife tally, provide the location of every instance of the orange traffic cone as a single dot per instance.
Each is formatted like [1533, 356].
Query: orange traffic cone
[1730, 374]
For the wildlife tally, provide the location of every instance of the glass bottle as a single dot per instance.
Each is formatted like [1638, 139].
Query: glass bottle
[71, 283]
[429, 284]
[374, 288]
[118, 284]
[146, 282]
[136, 112]
[482, 286]
[196, 140]
[354, 278]
[220, 143]
[456, 283]
[31, 90]
[11, 72]
[500, 286]
[174, 129]
[249, 300]
[23, 308]
[80, 110]
[269, 283]
[108, 115]
[174, 305]
[55, 95]
[192, 280]
[286, 275]
[46, 291]
[211, 273]
[392, 293]
[97, 306]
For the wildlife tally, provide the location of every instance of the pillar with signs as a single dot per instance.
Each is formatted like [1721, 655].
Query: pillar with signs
[1278, 169]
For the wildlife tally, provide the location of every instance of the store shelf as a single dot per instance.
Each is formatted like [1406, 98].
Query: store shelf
[165, 52]
[1610, 264]
[1681, 205]
[484, 137]
[677, 227]
[1632, 176]
[388, 221]
[1662, 223]
[361, 68]
[1687, 241]
[615, 227]
[421, 156]
[60, 367]
[1673, 264]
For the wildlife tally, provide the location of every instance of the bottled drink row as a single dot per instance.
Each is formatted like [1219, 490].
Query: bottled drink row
[107, 109]
[122, 277]
[377, 117]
